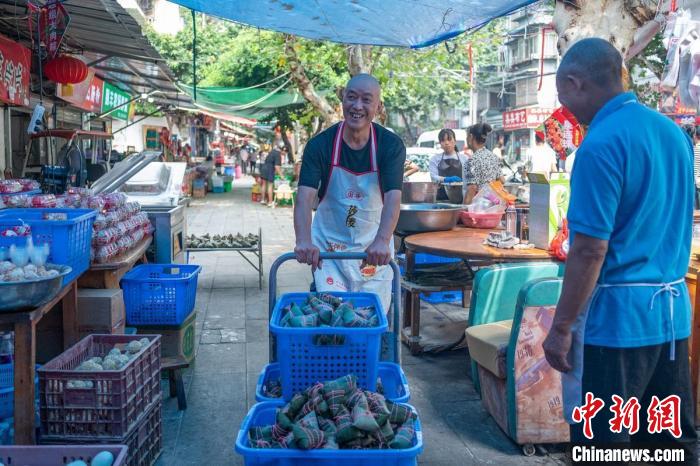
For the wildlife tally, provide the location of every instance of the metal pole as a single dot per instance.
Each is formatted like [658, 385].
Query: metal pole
[136, 121]
[194, 54]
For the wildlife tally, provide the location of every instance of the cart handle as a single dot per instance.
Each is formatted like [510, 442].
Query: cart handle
[396, 289]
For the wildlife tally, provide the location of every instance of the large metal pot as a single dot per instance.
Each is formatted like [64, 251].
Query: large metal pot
[454, 192]
[19, 296]
[419, 218]
[414, 192]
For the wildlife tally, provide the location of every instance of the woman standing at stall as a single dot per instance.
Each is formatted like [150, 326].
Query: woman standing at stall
[448, 166]
[484, 166]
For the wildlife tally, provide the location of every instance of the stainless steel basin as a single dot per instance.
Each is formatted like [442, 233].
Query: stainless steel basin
[414, 192]
[418, 218]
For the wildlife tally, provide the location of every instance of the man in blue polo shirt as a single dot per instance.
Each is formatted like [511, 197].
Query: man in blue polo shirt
[623, 320]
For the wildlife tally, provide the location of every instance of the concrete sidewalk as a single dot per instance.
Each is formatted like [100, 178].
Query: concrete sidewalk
[233, 348]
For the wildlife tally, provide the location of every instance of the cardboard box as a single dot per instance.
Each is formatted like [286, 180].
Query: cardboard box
[549, 201]
[117, 329]
[175, 342]
[100, 309]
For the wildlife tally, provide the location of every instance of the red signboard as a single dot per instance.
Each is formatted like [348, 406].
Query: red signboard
[15, 61]
[54, 22]
[525, 118]
[86, 95]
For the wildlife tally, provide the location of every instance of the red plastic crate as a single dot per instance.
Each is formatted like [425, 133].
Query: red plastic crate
[145, 442]
[111, 409]
[58, 454]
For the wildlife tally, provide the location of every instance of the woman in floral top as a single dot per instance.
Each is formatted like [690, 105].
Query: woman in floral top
[483, 166]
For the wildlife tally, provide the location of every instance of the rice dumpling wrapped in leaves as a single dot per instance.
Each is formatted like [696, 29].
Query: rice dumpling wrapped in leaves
[404, 435]
[329, 299]
[307, 434]
[362, 417]
[346, 432]
[399, 414]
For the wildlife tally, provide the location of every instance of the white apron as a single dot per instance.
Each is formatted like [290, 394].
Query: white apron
[347, 220]
[572, 381]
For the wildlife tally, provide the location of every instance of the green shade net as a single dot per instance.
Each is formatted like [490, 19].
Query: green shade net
[253, 103]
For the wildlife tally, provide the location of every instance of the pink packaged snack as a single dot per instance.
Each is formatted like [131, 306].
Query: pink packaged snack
[29, 185]
[69, 200]
[104, 237]
[82, 192]
[10, 187]
[20, 200]
[148, 229]
[113, 200]
[93, 202]
[125, 243]
[100, 222]
[133, 207]
[137, 235]
[43, 201]
[106, 253]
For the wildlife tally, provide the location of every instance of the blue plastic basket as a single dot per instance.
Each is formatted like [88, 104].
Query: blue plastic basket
[424, 259]
[303, 362]
[33, 192]
[438, 297]
[70, 240]
[7, 394]
[264, 414]
[392, 377]
[218, 189]
[160, 294]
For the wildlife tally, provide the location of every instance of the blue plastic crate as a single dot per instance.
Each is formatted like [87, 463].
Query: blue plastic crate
[442, 297]
[425, 259]
[265, 413]
[70, 240]
[218, 189]
[392, 377]
[303, 362]
[7, 395]
[33, 192]
[160, 294]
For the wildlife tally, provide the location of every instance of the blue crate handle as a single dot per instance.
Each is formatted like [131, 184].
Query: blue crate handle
[396, 288]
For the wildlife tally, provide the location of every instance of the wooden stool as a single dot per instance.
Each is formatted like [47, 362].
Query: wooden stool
[173, 367]
[411, 309]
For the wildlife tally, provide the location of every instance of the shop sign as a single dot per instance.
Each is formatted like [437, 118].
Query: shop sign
[86, 95]
[113, 97]
[54, 22]
[525, 118]
[15, 62]
[515, 119]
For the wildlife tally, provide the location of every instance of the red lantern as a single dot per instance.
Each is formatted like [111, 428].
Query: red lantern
[65, 69]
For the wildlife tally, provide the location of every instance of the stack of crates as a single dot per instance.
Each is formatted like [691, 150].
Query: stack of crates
[119, 407]
[423, 259]
[302, 362]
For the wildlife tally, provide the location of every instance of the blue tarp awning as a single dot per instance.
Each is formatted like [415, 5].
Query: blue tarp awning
[393, 23]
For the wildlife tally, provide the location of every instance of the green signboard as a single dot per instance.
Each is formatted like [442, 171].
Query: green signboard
[113, 97]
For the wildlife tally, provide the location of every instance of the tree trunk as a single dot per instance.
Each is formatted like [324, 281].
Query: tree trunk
[407, 124]
[628, 24]
[287, 144]
[359, 59]
[329, 115]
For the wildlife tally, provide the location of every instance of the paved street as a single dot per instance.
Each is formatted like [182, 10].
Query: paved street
[233, 348]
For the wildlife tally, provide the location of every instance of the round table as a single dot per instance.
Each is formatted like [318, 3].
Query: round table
[467, 243]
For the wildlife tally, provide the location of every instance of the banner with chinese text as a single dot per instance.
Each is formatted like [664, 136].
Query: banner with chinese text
[86, 95]
[15, 62]
[113, 97]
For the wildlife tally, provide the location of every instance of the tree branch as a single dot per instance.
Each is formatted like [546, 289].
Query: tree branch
[304, 84]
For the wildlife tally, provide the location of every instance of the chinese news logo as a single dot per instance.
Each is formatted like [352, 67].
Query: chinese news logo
[661, 415]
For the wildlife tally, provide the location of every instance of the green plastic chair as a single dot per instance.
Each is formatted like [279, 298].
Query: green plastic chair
[495, 293]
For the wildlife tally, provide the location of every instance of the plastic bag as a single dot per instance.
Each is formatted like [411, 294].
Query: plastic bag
[29, 185]
[100, 222]
[82, 192]
[93, 202]
[488, 200]
[43, 201]
[104, 237]
[20, 200]
[106, 253]
[113, 200]
[10, 187]
[559, 247]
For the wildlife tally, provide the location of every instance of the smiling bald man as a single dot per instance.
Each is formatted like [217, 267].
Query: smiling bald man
[355, 170]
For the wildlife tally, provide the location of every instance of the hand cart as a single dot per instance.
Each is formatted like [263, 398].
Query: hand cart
[396, 301]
